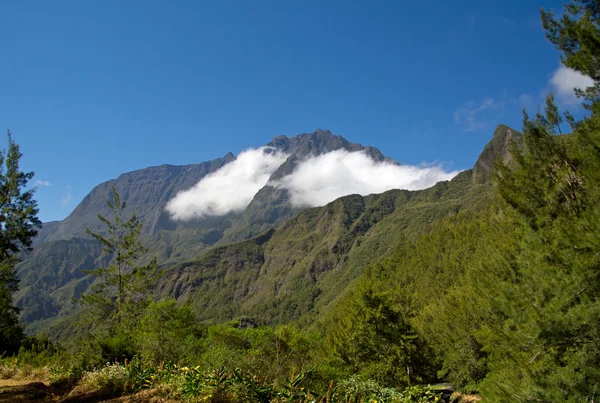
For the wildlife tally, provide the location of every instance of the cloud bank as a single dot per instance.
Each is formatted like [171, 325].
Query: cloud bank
[228, 189]
[315, 181]
[565, 80]
[324, 178]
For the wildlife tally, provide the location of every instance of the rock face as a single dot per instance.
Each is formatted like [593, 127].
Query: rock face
[497, 149]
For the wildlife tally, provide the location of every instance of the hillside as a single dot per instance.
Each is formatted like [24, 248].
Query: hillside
[54, 271]
[292, 272]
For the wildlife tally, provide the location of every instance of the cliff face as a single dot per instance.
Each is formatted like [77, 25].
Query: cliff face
[497, 149]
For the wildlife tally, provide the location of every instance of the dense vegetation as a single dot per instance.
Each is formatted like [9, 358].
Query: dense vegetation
[489, 282]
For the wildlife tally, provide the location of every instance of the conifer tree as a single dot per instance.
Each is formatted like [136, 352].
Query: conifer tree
[546, 348]
[18, 226]
[119, 295]
[372, 336]
[577, 36]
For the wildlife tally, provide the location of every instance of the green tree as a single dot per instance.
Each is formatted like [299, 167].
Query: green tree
[169, 333]
[119, 296]
[18, 226]
[577, 36]
[372, 336]
[546, 347]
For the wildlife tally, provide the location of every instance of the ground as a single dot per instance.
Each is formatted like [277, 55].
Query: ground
[12, 391]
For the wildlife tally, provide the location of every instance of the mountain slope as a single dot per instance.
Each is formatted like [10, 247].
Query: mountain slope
[292, 272]
[271, 205]
[147, 192]
[296, 271]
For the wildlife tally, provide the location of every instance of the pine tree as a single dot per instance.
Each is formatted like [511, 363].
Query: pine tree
[370, 335]
[119, 295]
[546, 347]
[18, 226]
[577, 36]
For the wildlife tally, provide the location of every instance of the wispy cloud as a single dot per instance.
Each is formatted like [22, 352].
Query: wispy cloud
[469, 114]
[228, 189]
[65, 200]
[528, 101]
[565, 80]
[324, 178]
[42, 183]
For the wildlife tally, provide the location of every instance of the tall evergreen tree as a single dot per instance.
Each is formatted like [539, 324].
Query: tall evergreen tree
[546, 347]
[119, 296]
[577, 36]
[18, 226]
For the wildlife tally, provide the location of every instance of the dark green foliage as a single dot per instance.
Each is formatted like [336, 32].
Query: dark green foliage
[373, 337]
[18, 226]
[546, 347]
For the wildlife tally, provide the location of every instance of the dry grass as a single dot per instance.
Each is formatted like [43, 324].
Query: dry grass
[458, 397]
[24, 372]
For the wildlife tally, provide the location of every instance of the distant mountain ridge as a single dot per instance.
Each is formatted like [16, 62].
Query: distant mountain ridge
[148, 190]
[324, 252]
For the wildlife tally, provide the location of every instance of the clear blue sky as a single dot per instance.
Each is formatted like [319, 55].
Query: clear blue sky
[92, 89]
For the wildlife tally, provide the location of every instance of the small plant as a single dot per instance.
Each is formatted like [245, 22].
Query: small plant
[355, 389]
[140, 376]
[112, 378]
[420, 394]
[292, 391]
[65, 375]
[8, 368]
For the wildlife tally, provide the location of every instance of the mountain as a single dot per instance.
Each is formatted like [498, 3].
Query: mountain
[297, 271]
[273, 261]
[62, 250]
[147, 192]
[271, 206]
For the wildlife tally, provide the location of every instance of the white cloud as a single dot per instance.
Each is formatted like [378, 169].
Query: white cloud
[467, 115]
[66, 199]
[565, 80]
[228, 189]
[322, 179]
[42, 183]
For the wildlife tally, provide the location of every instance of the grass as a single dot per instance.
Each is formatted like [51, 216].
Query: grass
[11, 369]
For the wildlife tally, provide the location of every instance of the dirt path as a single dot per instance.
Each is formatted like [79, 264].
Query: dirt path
[13, 391]
[24, 391]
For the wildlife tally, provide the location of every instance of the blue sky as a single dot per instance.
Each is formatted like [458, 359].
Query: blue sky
[94, 89]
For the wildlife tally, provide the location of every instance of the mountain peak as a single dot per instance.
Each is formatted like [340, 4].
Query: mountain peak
[318, 142]
[497, 147]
